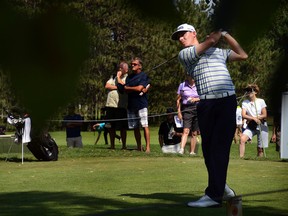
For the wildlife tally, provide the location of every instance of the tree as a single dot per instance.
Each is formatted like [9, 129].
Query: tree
[125, 31]
[121, 29]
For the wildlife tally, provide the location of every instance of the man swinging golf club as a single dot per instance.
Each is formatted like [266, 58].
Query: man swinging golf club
[217, 107]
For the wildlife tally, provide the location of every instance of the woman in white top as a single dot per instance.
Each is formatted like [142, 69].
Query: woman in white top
[254, 111]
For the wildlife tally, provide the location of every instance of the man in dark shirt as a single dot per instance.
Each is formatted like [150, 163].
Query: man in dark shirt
[169, 135]
[136, 88]
[73, 123]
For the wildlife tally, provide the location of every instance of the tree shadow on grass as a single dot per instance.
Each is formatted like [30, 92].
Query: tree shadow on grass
[17, 159]
[65, 203]
[53, 204]
[180, 200]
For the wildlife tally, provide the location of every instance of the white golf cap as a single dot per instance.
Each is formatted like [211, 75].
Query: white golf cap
[182, 28]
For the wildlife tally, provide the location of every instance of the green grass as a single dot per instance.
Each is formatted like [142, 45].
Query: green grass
[98, 181]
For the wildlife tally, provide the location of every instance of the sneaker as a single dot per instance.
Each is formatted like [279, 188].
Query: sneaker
[181, 151]
[204, 201]
[192, 153]
[228, 193]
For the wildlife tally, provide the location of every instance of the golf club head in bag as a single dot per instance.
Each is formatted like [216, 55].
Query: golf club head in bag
[41, 145]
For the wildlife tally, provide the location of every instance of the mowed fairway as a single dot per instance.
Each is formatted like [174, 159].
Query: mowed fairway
[98, 181]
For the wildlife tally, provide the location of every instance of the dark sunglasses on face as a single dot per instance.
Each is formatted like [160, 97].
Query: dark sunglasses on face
[249, 90]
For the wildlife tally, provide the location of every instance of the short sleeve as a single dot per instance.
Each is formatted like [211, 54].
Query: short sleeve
[226, 53]
[179, 89]
[111, 81]
[263, 104]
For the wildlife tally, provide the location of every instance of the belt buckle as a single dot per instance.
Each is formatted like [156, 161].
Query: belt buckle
[218, 96]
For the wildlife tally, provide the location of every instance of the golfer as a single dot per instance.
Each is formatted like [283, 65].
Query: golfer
[217, 107]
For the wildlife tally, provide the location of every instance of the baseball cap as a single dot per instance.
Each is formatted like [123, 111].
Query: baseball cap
[182, 28]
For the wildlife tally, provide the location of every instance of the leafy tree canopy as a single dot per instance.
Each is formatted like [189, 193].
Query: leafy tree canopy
[65, 51]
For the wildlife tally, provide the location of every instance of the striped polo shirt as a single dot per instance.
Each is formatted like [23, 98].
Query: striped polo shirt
[208, 70]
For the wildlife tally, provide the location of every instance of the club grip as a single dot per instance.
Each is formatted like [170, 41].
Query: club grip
[147, 87]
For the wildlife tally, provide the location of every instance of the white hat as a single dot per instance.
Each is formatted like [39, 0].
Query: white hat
[182, 28]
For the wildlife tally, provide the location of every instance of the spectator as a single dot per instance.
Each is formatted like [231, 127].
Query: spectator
[105, 129]
[2, 130]
[116, 106]
[73, 122]
[239, 124]
[254, 111]
[99, 127]
[136, 87]
[169, 135]
[276, 132]
[187, 99]
[217, 107]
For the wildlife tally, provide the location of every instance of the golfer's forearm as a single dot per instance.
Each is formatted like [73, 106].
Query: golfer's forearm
[213, 38]
[235, 46]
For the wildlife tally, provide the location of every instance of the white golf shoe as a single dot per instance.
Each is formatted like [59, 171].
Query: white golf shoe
[228, 193]
[204, 201]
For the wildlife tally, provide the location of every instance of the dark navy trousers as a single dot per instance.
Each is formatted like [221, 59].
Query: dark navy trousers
[217, 123]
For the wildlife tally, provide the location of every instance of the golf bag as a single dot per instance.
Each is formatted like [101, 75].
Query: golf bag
[42, 145]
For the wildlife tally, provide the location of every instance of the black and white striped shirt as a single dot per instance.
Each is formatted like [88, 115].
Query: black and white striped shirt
[209, 70]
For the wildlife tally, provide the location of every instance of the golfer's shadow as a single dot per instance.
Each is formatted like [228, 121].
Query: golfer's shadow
[175, 198]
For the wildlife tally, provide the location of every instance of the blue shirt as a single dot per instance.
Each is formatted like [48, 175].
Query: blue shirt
[136, 101]
[101, 127]
[73, 131]
[209, 70]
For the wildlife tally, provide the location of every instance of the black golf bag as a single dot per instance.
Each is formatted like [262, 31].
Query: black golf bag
[44, 147]
[41, 145]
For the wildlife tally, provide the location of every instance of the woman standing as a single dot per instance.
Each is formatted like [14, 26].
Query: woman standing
[187, 100]
[254, 111]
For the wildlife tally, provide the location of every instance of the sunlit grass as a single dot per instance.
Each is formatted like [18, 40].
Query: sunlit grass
[99, 181]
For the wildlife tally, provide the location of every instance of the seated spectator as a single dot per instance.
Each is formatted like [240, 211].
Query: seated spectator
[255, 112]
[169, 134]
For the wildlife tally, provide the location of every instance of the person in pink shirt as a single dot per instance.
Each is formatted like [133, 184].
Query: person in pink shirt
[187, 99]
